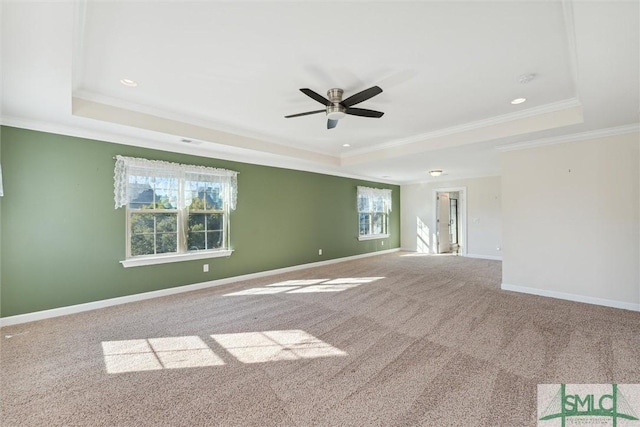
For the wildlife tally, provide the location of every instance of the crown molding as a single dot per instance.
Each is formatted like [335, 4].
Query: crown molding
[86, 109]
[193, 121]
[202, 150]
[592, 134]
[478, 124]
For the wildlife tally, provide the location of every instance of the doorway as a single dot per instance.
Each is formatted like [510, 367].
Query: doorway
[450, 221]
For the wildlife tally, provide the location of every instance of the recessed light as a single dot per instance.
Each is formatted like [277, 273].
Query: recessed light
[386, 176]
[435, 172]
[518, 101]
[346, 145]
[129, 82]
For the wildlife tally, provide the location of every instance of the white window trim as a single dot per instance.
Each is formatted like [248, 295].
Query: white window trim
[386, 195]
[121, 198]
[165, 259]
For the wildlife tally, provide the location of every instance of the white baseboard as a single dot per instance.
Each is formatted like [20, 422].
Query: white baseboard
[571, 297]
[491, 257]
[78, 308]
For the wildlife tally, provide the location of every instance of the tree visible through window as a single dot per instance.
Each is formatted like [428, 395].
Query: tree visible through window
[206, 219]
[174, 208]
[153, 215]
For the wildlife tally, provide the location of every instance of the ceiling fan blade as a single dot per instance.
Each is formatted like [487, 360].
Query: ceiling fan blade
[305, 114]
[361, 96]
[331, 123]
[311, 94]
[364, 112]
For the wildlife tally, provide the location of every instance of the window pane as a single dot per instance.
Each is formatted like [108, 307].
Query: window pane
[166, 223]
[205, 232]
[213, 197]
[363, 202]
[149, 229]
[214, 222]
[165, 199]
[166, 193]
[378, 204]
[196, 236]
[149, 192]
[196, 241]
[214, 239]
[364, 223]
[142, 244]
[196, 222]
[379, 223]
[141, 223]
[205, 196]
[166, 242]
[141, 197]
[195, 204]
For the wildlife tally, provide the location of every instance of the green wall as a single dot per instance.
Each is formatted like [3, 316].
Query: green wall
[62, 239]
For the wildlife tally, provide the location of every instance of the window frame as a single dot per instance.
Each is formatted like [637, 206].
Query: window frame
[384, 196]
[184, 174]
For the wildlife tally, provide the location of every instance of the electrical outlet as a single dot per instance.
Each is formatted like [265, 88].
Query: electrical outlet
[382, 243]
[205, 268]
[319, 251]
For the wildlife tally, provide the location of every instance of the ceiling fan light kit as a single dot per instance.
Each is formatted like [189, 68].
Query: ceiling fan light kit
[336, 112]
[336, 108]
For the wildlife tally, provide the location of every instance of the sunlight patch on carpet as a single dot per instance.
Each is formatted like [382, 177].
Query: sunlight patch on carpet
[270, 346]
[154, 354]
[157, 353]
[307, 286]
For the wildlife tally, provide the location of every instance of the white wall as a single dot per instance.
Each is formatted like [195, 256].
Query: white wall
[484, 223]
[571, 220]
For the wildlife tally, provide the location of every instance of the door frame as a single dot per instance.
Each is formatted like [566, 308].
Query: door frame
[462, 217]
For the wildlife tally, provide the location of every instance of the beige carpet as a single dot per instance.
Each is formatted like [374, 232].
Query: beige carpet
[396, 340]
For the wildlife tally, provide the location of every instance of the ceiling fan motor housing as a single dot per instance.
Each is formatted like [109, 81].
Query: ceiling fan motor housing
[335, 111]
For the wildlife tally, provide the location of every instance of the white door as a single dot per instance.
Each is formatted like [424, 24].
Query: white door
[444, 244]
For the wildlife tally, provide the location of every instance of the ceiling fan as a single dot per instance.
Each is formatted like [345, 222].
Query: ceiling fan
[336, 108]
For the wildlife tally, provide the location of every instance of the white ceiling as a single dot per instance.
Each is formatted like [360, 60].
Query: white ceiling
[226, 73]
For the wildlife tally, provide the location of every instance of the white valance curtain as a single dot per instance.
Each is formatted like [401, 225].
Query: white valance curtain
[149, 170]
[374, 200]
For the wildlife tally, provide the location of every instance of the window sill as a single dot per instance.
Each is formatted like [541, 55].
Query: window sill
[374, 236]
[165, 259]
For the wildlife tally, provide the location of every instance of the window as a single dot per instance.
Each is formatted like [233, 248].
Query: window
[174, 212]
[374, 205]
